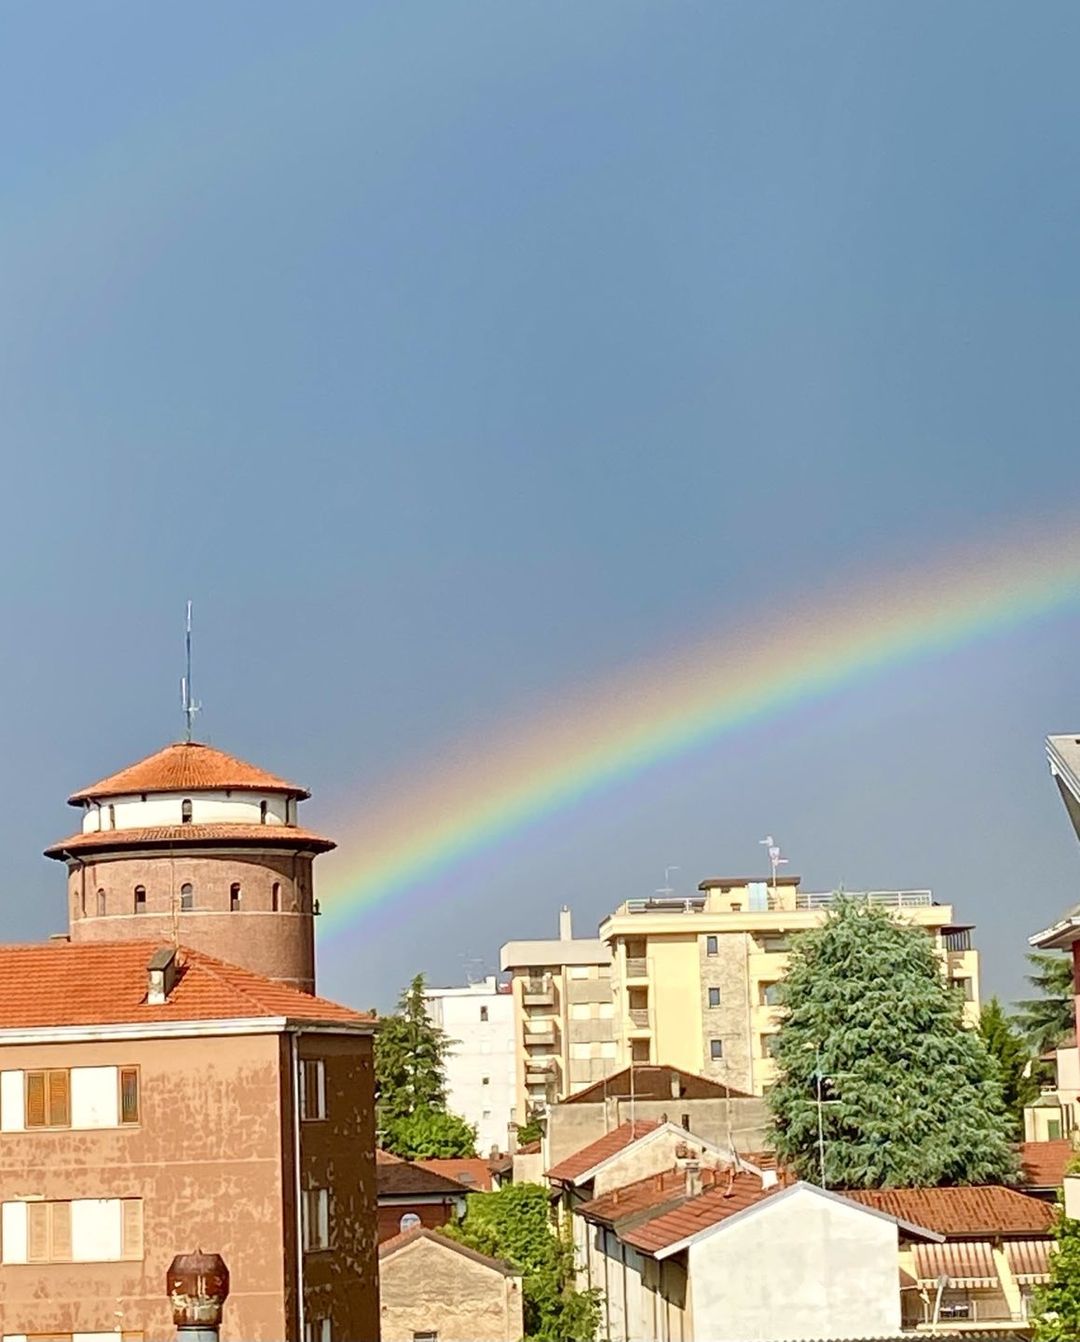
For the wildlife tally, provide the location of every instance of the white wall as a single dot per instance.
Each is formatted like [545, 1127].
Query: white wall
[12, 1101]
[801, 1266]
[481, 1049]
[207, 808]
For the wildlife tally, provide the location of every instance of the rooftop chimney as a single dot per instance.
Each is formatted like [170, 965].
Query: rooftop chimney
[198, 1286]
[769, 1178]
[566, 932]
[161, 975]
[693, 1178]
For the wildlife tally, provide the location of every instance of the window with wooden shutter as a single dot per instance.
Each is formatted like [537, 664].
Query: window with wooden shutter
[59, 1232]
[37, 1232]
[35, 1099]
[132, 1228]
[312, 1088]
[59, 1089]
[129, 1095]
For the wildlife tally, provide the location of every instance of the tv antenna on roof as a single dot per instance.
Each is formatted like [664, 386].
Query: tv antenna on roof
[668, 889]
[775, 860]
[187, 700]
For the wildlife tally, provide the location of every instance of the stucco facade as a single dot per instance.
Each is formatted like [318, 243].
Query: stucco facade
[481, 1073]
[432, 1286]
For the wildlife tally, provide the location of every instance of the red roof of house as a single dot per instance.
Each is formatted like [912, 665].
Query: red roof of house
[589, 1156]
[59, 984]
[654, 1081]
[1044, 1163]
[986, 1210]
[649, 1194]
[187, 766]
[407, 1237]
[397, 1178]
[728, 1196]
[193, 835]
[473, 1172]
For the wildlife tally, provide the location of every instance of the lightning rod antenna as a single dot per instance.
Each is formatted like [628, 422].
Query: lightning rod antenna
[187, 699]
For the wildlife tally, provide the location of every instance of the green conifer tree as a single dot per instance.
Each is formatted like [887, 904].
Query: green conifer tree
[908, 1096]
[1047, 1020]
[410, 1058]
[1014, 1064]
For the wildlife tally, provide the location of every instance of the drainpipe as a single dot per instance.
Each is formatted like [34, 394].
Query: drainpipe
[293, 1035]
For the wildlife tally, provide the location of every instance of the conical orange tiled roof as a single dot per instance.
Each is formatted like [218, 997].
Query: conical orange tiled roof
[187, 766]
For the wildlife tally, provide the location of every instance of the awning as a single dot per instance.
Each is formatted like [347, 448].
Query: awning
[1028, 1259]
[964, 1262]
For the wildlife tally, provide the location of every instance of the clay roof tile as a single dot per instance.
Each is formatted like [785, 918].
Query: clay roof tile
[187, 766]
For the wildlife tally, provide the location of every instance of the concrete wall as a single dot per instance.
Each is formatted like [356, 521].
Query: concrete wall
[802, 1266]
[166, 808]
[729, 1022]
[480, 1066]
[572, 1126]
[428, 1287]
[279, 944]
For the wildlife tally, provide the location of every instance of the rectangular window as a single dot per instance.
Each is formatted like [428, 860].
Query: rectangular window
[769, 994]
[129, 1095]
[317, 1330]
[425, 1337]
[776, 943]
[312, 1088]
[1053, 1130]
[315, 1218]
[710, 946]
[714, 997]
[769, 1044]
[48, 1098]
[131, 1229]
[685, 1124]
[716, 1049]
[483, 1013]
[48, 1232]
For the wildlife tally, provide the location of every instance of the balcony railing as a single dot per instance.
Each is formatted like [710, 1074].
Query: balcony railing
[637, 967]
[691, 904]
[538, 992]
[542, 1064]
[639, 1016]
[957, 941]
[886, 899]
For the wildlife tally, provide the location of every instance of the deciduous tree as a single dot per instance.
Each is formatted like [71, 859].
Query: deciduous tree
[908, 1096]
[427, 1134]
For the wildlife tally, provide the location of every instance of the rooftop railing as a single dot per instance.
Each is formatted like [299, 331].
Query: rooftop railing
[887, 899]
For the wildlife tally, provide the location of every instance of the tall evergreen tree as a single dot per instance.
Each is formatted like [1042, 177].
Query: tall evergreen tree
[1014, 1063]
[410, 1058]
[908, 1096]
[1047, 1020]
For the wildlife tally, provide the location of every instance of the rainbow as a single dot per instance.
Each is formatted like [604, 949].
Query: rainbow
[579, 743]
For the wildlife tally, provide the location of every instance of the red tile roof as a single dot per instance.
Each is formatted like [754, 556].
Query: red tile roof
[566, 1171]
[1044, 1163]
[473, 1173]
[654, 1081]
[396, 1178]
[58, 984]
[168, 836]
[649, 1194]
[695, 1214]
[187, 766]
[961, 1212]
[407, 1237]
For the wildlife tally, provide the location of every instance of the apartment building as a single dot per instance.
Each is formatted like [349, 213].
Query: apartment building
[694, 980]
[155, 1101]
[481, 1069]
[564, 1016]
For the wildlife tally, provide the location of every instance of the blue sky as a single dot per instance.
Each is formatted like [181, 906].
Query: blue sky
[448, 356]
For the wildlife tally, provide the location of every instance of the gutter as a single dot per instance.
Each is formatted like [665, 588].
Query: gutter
[293, 1037]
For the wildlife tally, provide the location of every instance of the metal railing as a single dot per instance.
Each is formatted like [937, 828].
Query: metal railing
[887, 899]
[689, 904]
[957, 941]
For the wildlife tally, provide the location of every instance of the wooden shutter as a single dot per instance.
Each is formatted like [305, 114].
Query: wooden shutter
[37, 1232]
[59, 1098]
[35, 1099]
[305, 1219]
[323, 1196]
[132, 1227]
[59, 1232]
[129, 1095]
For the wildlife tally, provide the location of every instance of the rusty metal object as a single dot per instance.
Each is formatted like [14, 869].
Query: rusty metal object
[198, 1286]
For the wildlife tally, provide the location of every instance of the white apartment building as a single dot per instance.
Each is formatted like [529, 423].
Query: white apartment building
[478, 1019]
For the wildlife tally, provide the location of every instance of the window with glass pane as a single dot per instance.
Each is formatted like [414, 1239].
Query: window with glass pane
[129, 1095]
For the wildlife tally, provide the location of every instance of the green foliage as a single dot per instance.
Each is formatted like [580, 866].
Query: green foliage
[911, 1098]
[1048, 1019]
[532, 1131]
[410, 1059]
[1018, 1086]
[1057, 1304]
[427, 1134]
[515, 1224]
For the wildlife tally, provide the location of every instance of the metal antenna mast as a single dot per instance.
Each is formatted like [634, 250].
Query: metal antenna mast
[187, 699]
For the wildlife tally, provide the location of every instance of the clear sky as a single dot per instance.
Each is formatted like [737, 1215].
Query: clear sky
[451, 356]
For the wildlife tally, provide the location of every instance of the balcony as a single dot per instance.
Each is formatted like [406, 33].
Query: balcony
[538, 992]
[639, 1017]
[637, 967]
[956, 939]
[542, 1064]
[885, 899]
[540, 1030]
[691, 904]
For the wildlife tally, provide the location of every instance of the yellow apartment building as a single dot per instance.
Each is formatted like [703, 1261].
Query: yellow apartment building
[694, 980]
[564, 1016]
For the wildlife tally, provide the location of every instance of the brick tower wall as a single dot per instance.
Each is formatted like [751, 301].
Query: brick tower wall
[279, 944]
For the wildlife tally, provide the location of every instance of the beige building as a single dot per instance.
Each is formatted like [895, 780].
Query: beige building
[694, 980]
[564, 1016]
[434, 1288]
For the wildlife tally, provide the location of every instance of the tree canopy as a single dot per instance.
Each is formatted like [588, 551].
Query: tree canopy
[427, 1134]
[1057, 1304]
[909, 1097]
[410, 1058]
[1014, 1063]
[1049, 1019]
[514, 1224]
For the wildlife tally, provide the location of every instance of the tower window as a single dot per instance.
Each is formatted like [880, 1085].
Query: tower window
[716, 1049]
[101, 903]
[187, 895]
[234, 897]
[483, 1013]
[262, 812]
[140, 899]
[275, 896]
[185, 811]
